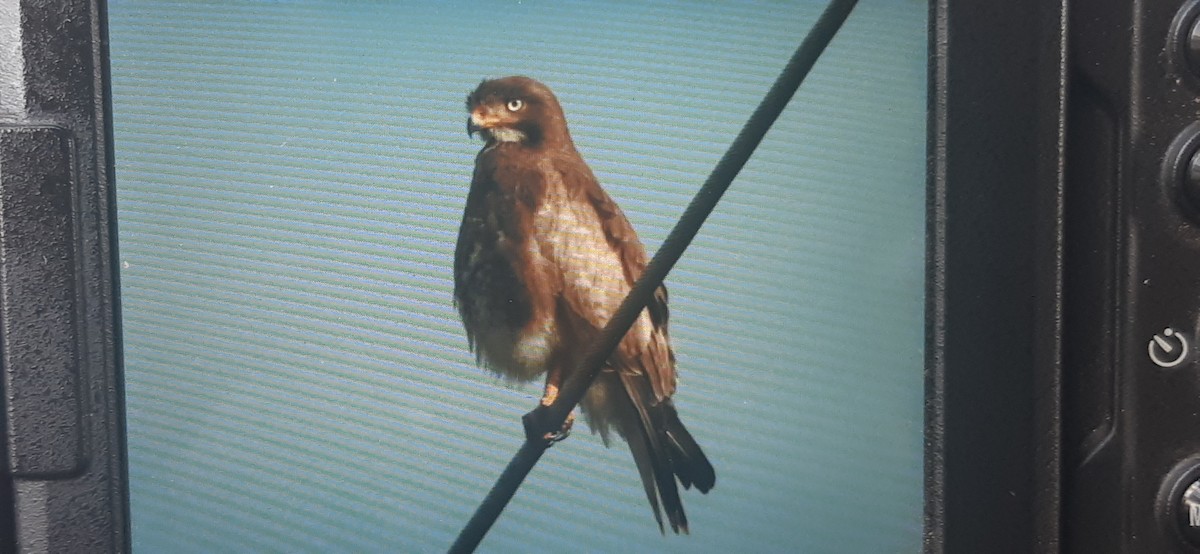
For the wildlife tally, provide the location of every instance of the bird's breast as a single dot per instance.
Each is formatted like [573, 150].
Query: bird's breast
[504, 296]
[572, 239]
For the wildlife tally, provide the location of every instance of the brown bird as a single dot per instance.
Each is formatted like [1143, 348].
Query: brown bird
[544, 257]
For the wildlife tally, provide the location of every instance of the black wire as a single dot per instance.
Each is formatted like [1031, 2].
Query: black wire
[548, 420]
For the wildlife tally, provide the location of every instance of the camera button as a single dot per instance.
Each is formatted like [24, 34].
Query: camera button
[1168, 348]
[1188, 513]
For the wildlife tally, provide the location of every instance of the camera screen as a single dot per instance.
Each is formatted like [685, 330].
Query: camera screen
[291, 180]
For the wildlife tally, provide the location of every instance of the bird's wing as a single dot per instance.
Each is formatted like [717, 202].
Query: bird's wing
[473, 242]
[492, 250]
[599, 256]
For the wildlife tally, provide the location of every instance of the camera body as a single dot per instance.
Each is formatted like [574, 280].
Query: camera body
[1131, 449]
[64, 486]
[1063, 401]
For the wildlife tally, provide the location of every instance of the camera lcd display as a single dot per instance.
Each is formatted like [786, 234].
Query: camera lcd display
[291, 177]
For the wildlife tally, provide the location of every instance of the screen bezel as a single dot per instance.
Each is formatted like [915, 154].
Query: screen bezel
[997, 96]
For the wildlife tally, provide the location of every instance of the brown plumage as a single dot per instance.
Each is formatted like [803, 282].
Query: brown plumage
[544, 258]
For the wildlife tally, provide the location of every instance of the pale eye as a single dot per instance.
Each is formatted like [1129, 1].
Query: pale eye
[515, 105]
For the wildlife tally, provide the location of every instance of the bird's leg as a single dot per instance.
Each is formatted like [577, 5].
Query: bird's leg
[553, 382]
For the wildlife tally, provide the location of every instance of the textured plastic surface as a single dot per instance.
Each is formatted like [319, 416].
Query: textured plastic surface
[1132, 382]
[39, 311]
[995, 232]
[63, 471]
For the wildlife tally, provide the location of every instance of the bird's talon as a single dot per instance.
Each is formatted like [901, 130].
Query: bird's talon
[562, 434]
[535, 425]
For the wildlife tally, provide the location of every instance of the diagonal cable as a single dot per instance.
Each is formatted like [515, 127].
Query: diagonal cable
[550, 419]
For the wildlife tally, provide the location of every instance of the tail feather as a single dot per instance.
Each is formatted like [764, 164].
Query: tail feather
[639, 446]
[663, 449]
[687, 459]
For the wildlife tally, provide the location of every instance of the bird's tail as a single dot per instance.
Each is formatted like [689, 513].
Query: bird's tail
[663, 451]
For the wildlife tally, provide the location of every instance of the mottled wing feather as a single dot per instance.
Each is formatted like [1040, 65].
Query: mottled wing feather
[659, 353]
[600, 260]
[471, 235]
[506, 291]
[491, 256]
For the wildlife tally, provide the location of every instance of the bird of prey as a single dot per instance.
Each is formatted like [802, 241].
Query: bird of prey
[544, 257]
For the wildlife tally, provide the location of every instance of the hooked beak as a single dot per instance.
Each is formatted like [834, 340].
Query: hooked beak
[482, 121]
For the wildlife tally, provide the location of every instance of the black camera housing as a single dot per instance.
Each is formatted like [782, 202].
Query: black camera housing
[1063, 280]
[64, 474]
[1132, 280]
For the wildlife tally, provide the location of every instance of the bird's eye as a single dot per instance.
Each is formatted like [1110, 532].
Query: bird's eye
[515, 105]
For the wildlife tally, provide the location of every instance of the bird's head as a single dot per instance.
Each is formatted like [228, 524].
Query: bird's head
[517, 110]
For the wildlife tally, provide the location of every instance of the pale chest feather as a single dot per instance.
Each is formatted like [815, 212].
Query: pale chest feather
[572, 241]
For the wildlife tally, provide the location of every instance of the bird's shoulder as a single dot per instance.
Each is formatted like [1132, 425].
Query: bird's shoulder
[503, 194]
[507, 173]
[619, 233]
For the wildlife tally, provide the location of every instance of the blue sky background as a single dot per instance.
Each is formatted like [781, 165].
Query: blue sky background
[290, 180]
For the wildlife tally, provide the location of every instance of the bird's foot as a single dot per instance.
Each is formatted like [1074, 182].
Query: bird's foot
[563, 433]
[537, 421]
